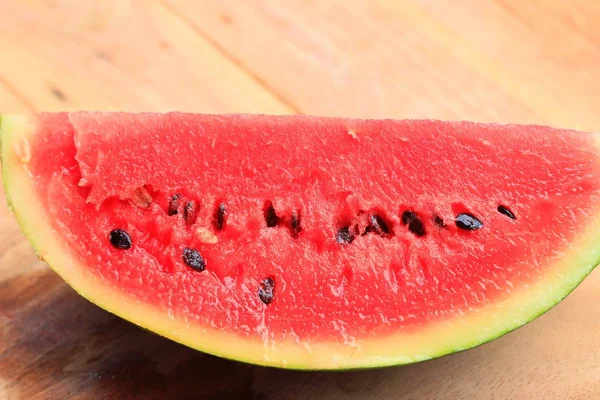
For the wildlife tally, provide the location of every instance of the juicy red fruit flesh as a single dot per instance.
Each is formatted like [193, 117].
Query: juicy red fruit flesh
[326, 274]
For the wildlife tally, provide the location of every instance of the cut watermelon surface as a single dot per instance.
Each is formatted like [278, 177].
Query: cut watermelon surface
[305, 242]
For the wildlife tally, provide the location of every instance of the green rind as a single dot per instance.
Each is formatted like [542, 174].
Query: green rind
[585, 261]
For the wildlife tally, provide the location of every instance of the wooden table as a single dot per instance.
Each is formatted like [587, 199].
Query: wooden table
[487, 60]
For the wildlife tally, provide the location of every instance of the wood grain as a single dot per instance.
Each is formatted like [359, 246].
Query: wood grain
[120, 55]
[490, 60]
[475, 60]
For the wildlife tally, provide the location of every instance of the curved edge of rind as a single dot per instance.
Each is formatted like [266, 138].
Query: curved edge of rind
[440, 339]
[6, 131]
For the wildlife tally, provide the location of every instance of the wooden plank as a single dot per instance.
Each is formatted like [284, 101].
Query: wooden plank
[410, 58]
[558, 20]
[543, 51]
[117, 55]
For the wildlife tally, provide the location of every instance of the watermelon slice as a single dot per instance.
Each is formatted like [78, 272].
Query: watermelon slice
[304, 242]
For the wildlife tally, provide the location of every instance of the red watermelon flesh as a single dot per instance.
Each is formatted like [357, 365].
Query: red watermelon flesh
[299, 230]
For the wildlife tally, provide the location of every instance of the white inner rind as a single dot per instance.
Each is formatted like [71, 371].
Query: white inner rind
[438, 338]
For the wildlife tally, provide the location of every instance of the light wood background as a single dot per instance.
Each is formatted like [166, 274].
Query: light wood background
[488, 60]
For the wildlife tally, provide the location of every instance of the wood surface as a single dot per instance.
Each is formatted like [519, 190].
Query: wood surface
[535, 61]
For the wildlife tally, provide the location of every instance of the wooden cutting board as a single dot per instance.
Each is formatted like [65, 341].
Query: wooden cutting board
[533, 61]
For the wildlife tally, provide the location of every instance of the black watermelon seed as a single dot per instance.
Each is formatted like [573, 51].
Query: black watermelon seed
[193, 259]
[220, 215]
[190, 212]
[408, 216]
[438, 221]
[468, 222]
[505, 210]
[414, 223]
[174, 204]
[416, 227]
[295, 227]
[377, 225]
[344, 236]
[120, 239]
[271, 217]
[265, 292]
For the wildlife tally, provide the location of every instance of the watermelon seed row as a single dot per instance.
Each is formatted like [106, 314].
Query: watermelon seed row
[120, 239]
[464, 221]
